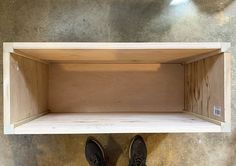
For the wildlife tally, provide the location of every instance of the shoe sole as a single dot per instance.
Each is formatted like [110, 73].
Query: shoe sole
[99, 145]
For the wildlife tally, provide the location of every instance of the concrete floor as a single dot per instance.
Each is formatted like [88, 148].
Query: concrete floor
[116, 20]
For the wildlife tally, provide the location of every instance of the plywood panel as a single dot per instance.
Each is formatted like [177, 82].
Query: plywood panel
[116, 88]
[227, 90]
[29, 88]
[116, 55]
[121, 45]
[204, 87]
[87, 123]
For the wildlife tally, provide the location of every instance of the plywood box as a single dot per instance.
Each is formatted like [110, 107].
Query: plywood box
[69, 88]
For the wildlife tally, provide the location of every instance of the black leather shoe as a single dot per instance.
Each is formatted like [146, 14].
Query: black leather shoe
[94, 153]
[137, 152]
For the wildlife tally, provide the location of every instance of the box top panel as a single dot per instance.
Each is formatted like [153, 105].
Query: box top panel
[85, 52]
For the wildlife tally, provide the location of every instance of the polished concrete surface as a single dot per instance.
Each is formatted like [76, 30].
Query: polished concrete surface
[116, 20]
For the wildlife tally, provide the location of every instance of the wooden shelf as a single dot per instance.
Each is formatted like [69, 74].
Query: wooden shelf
[85, 88]
[87, 123]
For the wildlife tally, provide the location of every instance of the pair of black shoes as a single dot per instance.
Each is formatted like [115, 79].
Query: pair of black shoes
[96, 157]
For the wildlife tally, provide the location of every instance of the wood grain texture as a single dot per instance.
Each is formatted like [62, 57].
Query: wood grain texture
[118, 52]
[87, 123]
[29, 88]
[121, 45]
[116, 88]
[227, 90]
[8, 127]
[204, 86]
[19, 53]
[115, 55]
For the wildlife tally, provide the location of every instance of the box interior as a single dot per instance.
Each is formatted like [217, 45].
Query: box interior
[92, 87]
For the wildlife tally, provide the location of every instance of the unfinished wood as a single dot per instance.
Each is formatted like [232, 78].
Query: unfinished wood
[87, 123]
[121, 45]
[204, 87]
[118, 52]
[204, 118]
[19, 53]
[114, 55]
[116, 88]
[8, 127]
[201, 56]
[29, 88]
[227, 91]
[26, 120]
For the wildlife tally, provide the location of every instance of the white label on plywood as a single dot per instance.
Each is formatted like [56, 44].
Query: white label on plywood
[217, 111]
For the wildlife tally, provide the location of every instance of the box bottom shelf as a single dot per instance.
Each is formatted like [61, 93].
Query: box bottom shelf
[87, 123]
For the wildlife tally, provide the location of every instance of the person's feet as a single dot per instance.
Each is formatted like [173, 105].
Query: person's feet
[137, 152]
[94, 153]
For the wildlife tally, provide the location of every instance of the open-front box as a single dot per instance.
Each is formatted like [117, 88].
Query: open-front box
[65, 88]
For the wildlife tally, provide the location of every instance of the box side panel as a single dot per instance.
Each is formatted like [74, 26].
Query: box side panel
[29, 88]
[7, 48]
[204, 87]
[227, 92]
